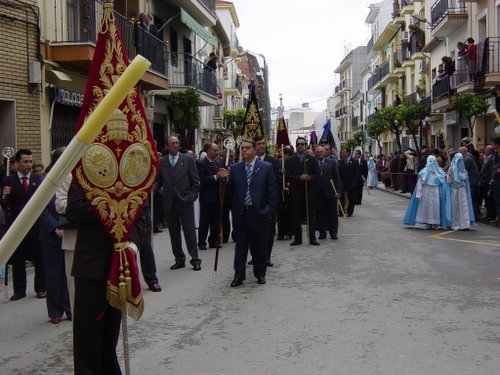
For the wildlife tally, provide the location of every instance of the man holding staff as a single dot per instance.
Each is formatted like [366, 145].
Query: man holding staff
[302, 172]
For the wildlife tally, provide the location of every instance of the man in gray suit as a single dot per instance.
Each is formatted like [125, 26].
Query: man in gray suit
[178, 178]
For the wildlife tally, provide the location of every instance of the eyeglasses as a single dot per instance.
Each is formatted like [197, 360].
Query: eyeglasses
[301, 144]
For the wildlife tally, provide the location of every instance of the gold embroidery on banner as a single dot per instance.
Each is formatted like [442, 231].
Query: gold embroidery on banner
[116, 192]
[252, 122]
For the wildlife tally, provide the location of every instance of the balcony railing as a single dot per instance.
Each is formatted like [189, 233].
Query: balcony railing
[417, 42]
[412, 98]
[442, 8]
[491, 60]
[441, 89]
[84, 23]
[190, 71]
[371, 117]
[210, 4]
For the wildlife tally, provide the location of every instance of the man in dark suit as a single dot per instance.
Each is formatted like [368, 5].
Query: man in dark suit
[96, 324]
[326, 197]
[261, 150]
[179, 180]
[362, 175]
[209, 173]
[484, 182]
[254, 204]
[17, 190]
[349, 175]
[284, 210]
[302, 171]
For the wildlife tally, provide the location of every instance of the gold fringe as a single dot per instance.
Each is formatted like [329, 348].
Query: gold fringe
[134, 308]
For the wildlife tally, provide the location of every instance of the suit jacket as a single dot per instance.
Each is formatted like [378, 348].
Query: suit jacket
[48, 224]
[209, 185]
[472, 170]
[485, 174]
[180, 183]
[329, 172]
[349, 173]
[262, 190]
[18, 198]
[94, 247]
[294, 169]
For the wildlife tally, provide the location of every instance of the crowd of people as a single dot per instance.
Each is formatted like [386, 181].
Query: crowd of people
[214, 197]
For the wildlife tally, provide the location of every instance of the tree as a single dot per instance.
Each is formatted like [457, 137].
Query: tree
[470, 107]
[185, 113]
[412, 115]
[389, 116]
[359, 137]
[234, 121]
[375, 129]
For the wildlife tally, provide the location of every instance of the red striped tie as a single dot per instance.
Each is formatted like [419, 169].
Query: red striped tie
[26, 185]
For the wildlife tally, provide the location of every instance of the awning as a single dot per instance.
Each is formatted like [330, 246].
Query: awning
[197, 28]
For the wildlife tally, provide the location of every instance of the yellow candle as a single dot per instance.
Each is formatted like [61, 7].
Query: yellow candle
[112, 100]
[71, 156]
[497, 116]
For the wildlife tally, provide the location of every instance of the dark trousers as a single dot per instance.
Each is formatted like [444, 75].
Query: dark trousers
[298, 213]
[496, 196]
[327, 215]
[28, 249]
[351, 195]
[395, 180]
[489, 201]
[411, 179]
[182, 214]
[146, 254]
[270, 237]
[284, 217]
[157, 210]
[55, 281]
[474, 193]
[209, 220]
[251, 233]
[96, 327]
[226, 222]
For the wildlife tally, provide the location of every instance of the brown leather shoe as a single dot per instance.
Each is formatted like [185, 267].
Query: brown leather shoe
[17, 296]
[154, 287]
[55, 320]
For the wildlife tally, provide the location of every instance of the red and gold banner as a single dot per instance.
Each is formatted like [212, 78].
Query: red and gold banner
[119, 168]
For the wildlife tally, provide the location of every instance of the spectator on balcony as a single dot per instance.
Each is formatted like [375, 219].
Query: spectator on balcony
[448, 65]
[145, 23]
[211, 62]
[471, 58]
[462, 62]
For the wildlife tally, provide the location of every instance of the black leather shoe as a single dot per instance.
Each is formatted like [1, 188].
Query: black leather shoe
[322, 236]
[202, 247]
[334, 237]
[17, 296]
[236, 282]
[176, 266]
[196, 267]
[295, 243]
[154, 287]
[261, 280]
[280, 238]
[41, 295]
[250, 262]
[269, 264]
[314, 243]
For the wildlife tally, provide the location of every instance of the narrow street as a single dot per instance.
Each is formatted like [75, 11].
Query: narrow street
[383, 299]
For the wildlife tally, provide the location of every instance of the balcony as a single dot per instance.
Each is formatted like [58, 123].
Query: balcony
[446, 18]
[406, 7]
[416, 45]
[489, 63]
[441, 93]
[188, 71]
[397, 62]
[385, 37]
[75, 48]
[371, 117]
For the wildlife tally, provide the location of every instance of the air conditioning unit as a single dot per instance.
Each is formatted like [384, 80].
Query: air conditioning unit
[405, 36]
[423, 67]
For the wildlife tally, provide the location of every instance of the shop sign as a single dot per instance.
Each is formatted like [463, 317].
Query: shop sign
[68, 97]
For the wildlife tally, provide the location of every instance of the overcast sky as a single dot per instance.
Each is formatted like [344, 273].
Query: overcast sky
[303, 42]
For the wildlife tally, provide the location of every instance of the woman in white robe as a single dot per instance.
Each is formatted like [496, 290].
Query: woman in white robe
[372, 179]
[462, 214]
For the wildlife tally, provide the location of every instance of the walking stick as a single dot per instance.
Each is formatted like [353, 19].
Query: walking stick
[367, 190]
[228, 144]
[126, 354]
[341, 207]
[307, 201]
[7, 153]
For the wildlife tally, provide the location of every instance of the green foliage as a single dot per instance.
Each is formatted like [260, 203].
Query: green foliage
[421, 88]
[470, 106]
[350, 143]
[359, 137]
[411, 115]
[234, 120]
[376, 128]
[185, 108]
[389, 117]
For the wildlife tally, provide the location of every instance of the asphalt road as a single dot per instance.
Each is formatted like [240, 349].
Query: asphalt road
[383, 299]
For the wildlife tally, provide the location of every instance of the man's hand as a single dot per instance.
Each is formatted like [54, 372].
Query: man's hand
[304, 177]
[59, 232]
[6, 190]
